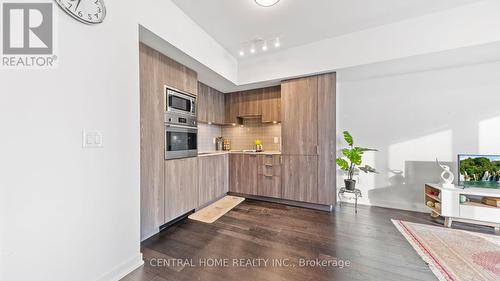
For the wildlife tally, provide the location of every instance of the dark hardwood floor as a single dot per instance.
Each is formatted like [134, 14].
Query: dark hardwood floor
[258, 230]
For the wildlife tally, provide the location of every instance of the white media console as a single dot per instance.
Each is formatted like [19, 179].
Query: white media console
[446, 203]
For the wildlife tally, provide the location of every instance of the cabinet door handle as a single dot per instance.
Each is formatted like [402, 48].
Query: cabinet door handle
[268, 165]
[268, 176]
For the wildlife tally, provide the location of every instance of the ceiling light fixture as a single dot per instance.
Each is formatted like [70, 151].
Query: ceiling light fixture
[277, 43]
[264, 47]
[242, 53]
[266, 3]
[252, 50]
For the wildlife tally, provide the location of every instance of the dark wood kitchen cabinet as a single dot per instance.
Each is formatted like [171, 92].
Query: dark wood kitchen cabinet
[300, 178]
[231, 108]
[299, 116]
[271, 104]
[211, 107]
[269, 176]
[308, 139]
[243, 173]
[181, 187]
[213, 178]
[156, 71]
[264, 102]
[249, 103]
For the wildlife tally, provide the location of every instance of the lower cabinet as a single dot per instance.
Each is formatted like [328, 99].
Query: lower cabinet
[269, 176]
[300, 178]
[213, 178]
[181, 187]
[243, 173]
[255, 174]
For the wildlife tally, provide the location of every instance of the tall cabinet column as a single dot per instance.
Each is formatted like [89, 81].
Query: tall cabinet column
[308, 139]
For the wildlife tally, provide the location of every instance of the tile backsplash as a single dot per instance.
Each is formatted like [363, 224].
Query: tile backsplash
[206, 135]
[244, 136]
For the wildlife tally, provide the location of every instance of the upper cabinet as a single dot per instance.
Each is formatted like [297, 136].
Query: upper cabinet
[211, 108]
[264, 102]
[231, 107]
[271, 104]
[299, 116]
[249, 104]
[178, 76]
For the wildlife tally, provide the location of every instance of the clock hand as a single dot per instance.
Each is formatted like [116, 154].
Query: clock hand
[78, 4]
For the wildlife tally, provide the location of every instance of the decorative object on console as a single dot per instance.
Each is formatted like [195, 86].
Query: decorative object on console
[447, 176]
[353, 157]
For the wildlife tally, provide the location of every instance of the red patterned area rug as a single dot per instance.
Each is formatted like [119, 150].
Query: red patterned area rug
[454, 254]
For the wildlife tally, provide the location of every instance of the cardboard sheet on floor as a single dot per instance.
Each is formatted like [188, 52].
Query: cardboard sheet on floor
[214, 211]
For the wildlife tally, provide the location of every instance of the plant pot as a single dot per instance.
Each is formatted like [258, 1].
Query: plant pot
[350, 184]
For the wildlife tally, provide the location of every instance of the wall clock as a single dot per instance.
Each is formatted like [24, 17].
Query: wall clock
[86, 11]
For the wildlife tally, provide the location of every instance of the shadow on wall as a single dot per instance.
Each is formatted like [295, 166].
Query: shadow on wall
[413, 119]
[406, 187]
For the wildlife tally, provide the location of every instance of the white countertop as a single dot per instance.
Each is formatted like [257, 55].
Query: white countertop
[491, 192]
[212, 153]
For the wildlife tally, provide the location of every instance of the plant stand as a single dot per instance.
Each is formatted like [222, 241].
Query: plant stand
[357, 193]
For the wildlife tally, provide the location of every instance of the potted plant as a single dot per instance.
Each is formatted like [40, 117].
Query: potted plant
[352, 159]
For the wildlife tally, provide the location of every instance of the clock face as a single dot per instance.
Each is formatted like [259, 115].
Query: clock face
[86, 11]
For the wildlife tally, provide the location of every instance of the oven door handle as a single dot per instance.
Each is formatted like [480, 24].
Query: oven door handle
[182, 127]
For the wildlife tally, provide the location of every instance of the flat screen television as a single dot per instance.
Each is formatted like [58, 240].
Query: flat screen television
[479, 170]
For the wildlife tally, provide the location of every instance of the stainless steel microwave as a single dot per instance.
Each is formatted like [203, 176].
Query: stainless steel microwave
[178, 102]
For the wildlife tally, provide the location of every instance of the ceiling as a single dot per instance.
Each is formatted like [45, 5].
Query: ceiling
[234, 23]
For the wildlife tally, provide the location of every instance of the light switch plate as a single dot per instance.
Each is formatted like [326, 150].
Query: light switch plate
[92, 139]
[276, 139]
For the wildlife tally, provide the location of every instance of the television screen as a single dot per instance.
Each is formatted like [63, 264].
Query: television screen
[479, 171]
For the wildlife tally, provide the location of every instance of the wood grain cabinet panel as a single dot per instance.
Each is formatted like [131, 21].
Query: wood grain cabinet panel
[181, 187]
[151, 118]
[178, 76]
[300, 178]
[231, 108]
[213, 178]
[327, 139]
[243, 173]
[202, 103]
[156, 71]
[271, 104]
[250, 103]
[269, 176]
[299, 116]
[211, 108]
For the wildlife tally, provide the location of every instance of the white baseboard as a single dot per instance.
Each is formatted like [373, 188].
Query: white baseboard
[394, 205]
[123, 269]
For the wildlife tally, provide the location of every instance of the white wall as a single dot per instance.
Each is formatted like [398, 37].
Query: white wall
[414, 118]
[69, 213]
[167, 21]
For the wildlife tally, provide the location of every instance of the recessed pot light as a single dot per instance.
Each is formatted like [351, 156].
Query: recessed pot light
[266, 3]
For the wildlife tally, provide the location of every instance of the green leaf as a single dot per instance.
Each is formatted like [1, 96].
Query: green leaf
[346, 152]
[348, 138]
[364, 149]
[342, 164]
